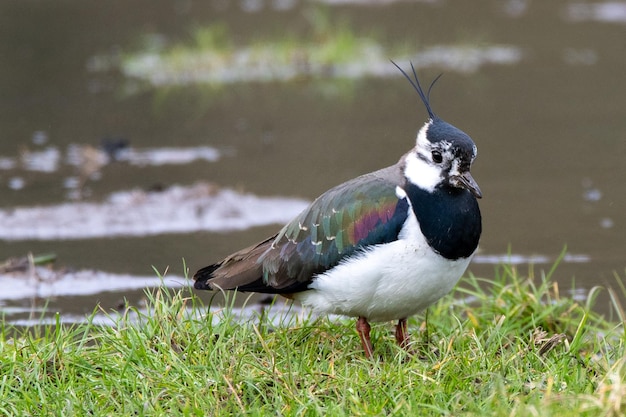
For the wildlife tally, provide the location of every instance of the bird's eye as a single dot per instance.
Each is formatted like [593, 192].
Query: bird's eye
[437, 158]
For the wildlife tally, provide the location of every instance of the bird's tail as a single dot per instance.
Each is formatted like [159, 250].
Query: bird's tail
[202, 277]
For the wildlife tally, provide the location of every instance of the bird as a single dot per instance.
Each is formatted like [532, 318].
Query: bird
[380, 247]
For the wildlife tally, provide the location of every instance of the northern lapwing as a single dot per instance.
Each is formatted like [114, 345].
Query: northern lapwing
[383, 246]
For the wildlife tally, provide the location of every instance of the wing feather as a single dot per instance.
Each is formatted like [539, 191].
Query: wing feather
[362, 212]
[356, 214]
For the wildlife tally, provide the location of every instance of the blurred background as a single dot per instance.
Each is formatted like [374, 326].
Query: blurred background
[168, 134]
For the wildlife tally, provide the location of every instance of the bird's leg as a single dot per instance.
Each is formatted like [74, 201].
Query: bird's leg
[402, 334]
[363, 328]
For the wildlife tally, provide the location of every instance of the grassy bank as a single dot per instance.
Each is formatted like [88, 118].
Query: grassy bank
[512, 346]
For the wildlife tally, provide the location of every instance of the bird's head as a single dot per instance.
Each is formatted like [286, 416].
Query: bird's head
[443, 154]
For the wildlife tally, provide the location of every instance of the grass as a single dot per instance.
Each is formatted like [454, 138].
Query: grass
[326, 47]
[210, 55]
[513, 346]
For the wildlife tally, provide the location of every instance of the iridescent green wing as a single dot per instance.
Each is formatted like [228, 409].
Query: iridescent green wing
[359, 213]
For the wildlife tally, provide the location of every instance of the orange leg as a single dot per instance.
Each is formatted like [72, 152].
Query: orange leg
[363, 328]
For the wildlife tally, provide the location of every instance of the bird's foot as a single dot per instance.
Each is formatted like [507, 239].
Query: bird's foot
[421, 351]
[363, 328]
[402, 334]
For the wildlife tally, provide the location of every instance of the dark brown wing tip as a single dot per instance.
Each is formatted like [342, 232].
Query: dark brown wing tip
[203, 276]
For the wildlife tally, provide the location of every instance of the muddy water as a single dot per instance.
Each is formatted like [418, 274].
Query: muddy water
[548, 121]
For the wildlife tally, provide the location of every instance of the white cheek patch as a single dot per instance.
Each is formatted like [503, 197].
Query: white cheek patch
[421, 173]
[418, 169]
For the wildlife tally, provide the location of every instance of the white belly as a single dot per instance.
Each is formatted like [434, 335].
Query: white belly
[388, 282]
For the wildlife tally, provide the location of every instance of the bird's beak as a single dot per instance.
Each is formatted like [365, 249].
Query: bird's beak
[465, 180]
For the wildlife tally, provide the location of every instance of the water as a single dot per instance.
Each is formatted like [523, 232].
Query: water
[116, 173]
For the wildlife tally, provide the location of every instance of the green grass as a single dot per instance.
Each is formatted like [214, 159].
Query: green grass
[211, 57]
[513, 346]
[325, 47]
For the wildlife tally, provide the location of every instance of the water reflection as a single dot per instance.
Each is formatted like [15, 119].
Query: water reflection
[268, 64]
[608, 11]
[542, 98]
[177, 209]
[49, 159]
[43, 282]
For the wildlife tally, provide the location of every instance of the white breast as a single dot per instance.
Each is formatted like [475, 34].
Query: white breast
[386, 282]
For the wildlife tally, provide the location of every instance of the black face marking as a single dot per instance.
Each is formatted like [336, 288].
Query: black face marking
[449, 218]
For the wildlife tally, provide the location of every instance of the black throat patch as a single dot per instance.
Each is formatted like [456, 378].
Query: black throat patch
[449, 219]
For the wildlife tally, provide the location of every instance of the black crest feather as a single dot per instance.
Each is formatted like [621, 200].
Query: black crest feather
[418, 87]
